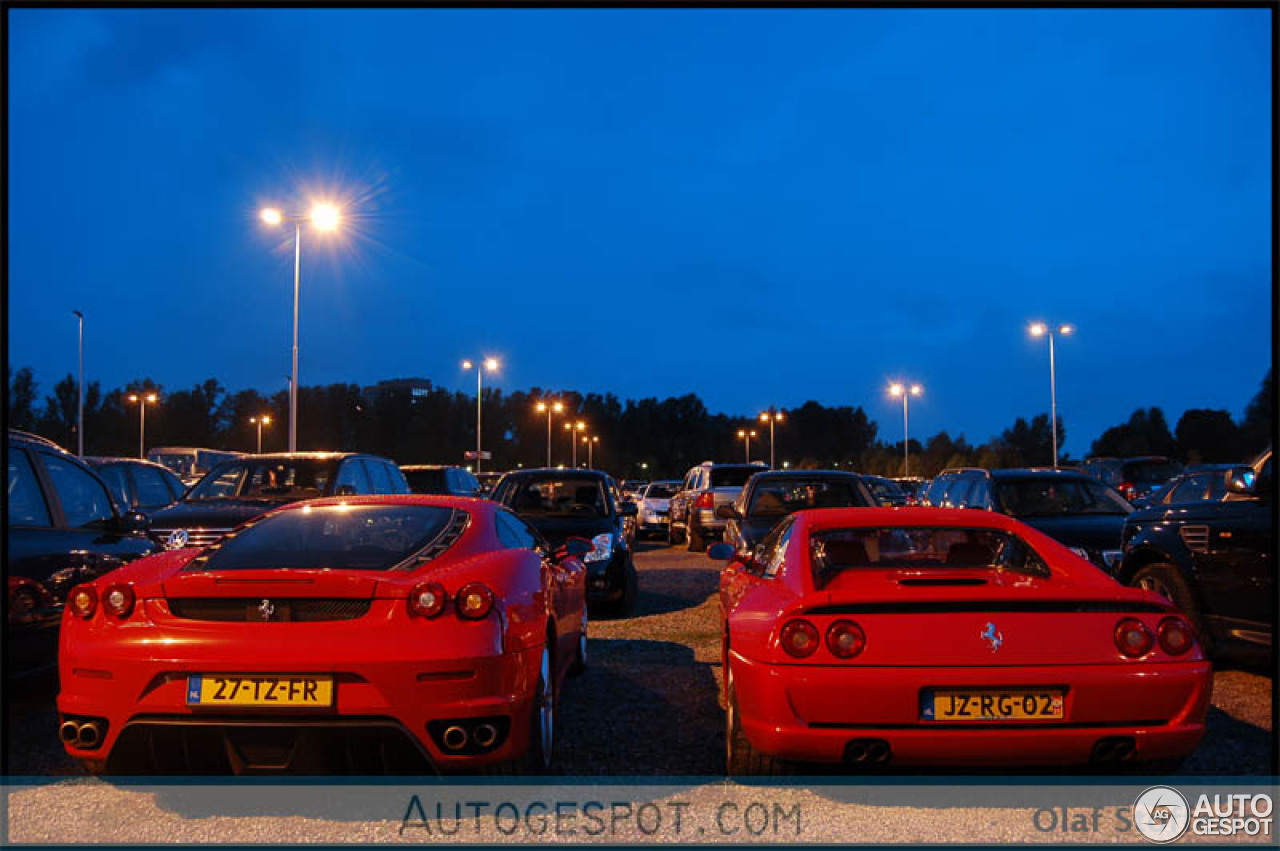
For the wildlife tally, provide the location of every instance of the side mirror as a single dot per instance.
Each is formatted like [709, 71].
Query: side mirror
[1241, 480]
[628, 509]
[573, 548]
[721, 552]
[133, 522]
[727, 512]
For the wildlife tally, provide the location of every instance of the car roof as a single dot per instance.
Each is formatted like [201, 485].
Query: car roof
[553, 472]
[103, 460]
[417, 468]
[19, 434]
[1040, 473]
[300, 456]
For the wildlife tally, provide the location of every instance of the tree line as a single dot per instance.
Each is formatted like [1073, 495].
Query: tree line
[418, 422]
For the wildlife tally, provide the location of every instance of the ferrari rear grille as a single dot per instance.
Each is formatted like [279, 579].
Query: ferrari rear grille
[261, 610]
[1196, 538]
[195, 537]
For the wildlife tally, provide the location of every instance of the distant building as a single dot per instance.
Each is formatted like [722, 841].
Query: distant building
[416, 387]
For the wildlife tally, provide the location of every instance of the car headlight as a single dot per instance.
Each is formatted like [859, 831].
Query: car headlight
[601, 547]
[1111, 558]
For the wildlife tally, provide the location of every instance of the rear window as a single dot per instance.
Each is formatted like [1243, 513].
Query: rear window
[780, 497]
[732, 477]
[426, 481]
[951, 548]
[337, 537]
[1053, 496]
[1152, 472]
[661, 491]
[292, 479]
[564, 497]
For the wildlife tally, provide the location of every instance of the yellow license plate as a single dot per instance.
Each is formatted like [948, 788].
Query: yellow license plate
[996, 705]
[292, 690]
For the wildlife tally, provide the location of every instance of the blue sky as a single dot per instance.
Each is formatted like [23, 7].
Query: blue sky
[759, 206]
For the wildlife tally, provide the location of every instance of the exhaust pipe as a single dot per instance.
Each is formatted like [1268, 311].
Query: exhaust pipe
[856, 752]
[455, 738]
[90, 735]
[69, 732]
[1113, 749]
[485, 735]
[878, 752]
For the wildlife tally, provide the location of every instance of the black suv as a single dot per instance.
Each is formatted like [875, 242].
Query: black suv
[63, 528]
[241, 489]
[1076, 510]
[562, 504]
[440, 479]
[1214, 560]
[769, 498]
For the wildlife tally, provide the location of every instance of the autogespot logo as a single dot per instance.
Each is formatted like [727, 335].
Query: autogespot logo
[1161, 814]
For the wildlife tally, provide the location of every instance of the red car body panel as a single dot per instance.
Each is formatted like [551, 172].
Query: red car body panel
[386, 664]
[923, 634]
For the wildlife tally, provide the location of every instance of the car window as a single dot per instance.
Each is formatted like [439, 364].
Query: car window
[562, 497]
[151, 488]
[470, 484]
[513, 533]
[1151, 471]
[376, 473]
[958, 490]
[351, 473]
[399, 484]
[1050, 496]
[833, 551]
[83, 496]
[1190, 489]
[176, 487]
[220, 486]
[117, 483]
[937, 488]
[26, 503]
[782, 496]
[980, 495]
[775, 552]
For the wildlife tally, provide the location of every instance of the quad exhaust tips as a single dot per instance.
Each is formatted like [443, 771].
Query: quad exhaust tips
[485, 735]
[1113, 749]
[80, 734]
[867, 753]
[455, 738]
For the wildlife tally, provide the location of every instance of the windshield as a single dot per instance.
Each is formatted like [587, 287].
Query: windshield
[1153, 472]
[780, 497]
[664, 490]
[732, 477]
[335, 537]
[299, 478]
[182, 463]
[834, 551]
[884, 488]
[426, 481]
[566, 497]
[1053, 496]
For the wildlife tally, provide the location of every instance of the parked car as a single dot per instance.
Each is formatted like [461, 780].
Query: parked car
[487, 481]
[886, 491]
[62, 528]
[395, 633]
[241, 489]
[654, 507]
[138, 485]
[441, 479]
[1074, 509]
[770, 497]
[562, 504]
[1136, 479]
[1203, 483]
[875, 637]
[705, 488]
[913, 487]
[1214, 559]
[632, 488]
[953, 480]
[189, 463]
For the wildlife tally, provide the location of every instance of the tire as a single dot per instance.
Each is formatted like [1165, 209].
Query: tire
[740, 758]
[1164, 579]
[542, 723]
[674, 536]
[580, 654]
[697, 543]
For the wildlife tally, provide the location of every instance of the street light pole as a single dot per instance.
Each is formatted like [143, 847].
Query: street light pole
[591, 445]
[490, 364]
[1039, 329]
[80, 392]
[746, 436]
[771, 416]
[901, 390]
[142, 419]
[557, 408]
[261, 421]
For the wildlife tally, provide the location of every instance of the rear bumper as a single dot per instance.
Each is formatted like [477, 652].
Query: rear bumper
[1161, 707]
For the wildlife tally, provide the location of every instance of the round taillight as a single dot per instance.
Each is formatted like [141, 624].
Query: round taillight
[1175, 636]
[83, 601]
[1133, 638]
[845, 639]
[427, 599]
[474, 601]
[799, 638]
[117, 601]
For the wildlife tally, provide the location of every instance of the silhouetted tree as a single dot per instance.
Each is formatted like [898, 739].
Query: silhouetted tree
[1146, 433]
[1257, 431]
[1207, 437]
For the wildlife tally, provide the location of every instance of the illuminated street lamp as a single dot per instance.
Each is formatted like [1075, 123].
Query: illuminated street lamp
[142, 401]
[591, 445]
[554, 407]
[260, 421]
[896, 389]
[324, 217]
[1040, 329]
[574, 428]
[746, 436]
[771, 416]
[490, 364]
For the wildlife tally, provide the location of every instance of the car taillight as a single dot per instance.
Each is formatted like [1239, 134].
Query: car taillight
[427, 599]
[474, 601]
[1175, 636]
[83, 601]
[1127, 490]
[705, 500]
[1133, 638]
[799, 638]
[845, 639]
[117, 601]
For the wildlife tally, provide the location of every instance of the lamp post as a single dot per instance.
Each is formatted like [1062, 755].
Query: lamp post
[325, 217]
[591, 445]
[746, 436]
[80, 391]
[573, 429]
[554, 407]
[1040, 329]
[490, 364]
[897, 389]
[142, 400]
[260, 421]
[771, 416]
